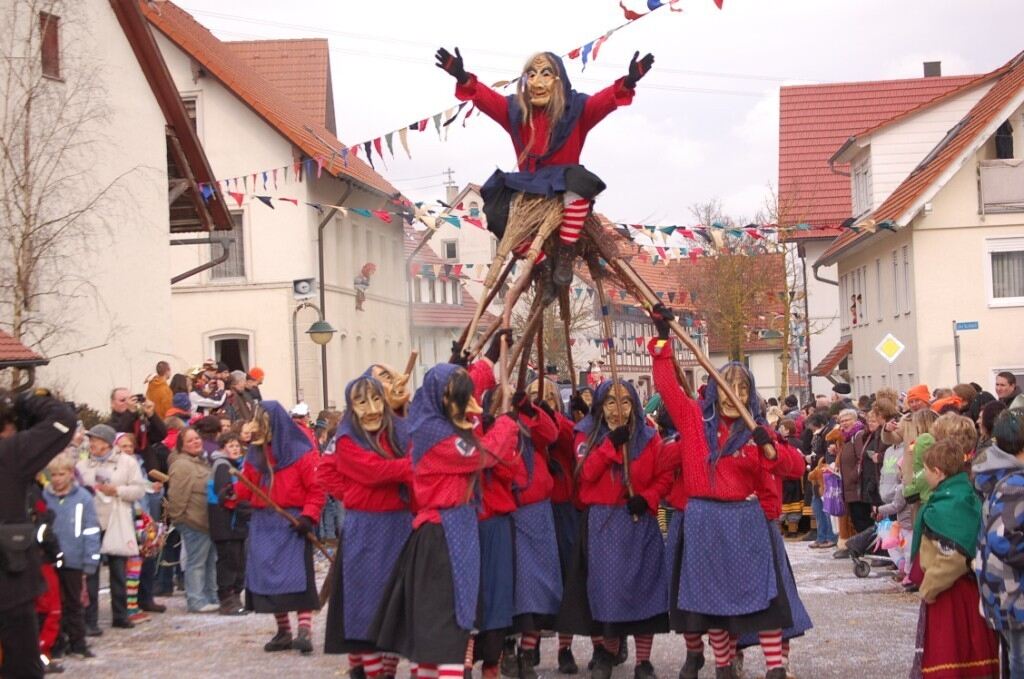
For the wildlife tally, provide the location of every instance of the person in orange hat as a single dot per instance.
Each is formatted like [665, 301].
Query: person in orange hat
[896, 431]
[253, 380]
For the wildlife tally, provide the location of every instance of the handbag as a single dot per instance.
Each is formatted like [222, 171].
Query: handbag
[832, 499]
[15, 541]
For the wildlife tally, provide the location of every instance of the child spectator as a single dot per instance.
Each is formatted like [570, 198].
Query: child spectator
[1000, 561]
[792, 488]
[78, 532]
[960, 431]
[952, 637]
[229, 524]
[896, 504]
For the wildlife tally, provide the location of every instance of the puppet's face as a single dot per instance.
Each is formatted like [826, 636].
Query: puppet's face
[541, 79]
[736, 378]
[459, 402]
[368, 407]
[261, 427]
[618, 406]
[395, 385]
[550, 394]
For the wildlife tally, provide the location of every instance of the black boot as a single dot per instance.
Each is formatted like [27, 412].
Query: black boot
[567, 662]
[691, 668]
[358, 672]
[564, 257]
[82, 650]
[302, 643]
[509, 666]
[526, 664]
[603, 661]
[725, 672]
[623, 654]
[777, 673]
[644, 670]
[282, 641]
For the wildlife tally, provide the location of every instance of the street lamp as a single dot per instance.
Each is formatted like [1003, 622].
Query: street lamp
[321, 333]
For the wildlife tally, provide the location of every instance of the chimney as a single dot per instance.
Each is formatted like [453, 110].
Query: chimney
[932, 69]
[452, 190]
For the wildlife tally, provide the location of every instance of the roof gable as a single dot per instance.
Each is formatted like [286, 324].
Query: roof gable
[945, 159]
[300, 68]
[815, 120]
[266, 100]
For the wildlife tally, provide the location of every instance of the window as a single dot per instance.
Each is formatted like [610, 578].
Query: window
[417, 290]
[450, 249]
[433, 291]
[191, 111]
[1005, 263]
[878, 289]
[844, 314]
[861, 187]
[233, 350]
[906, 279]
[895, 283]
[234, 265]
[444, 291]
[456, 292]
[474, 209]
[49, 38]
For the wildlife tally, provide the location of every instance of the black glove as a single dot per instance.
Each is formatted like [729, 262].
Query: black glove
[487, 420]
[452, 65]
[494, 350]
[619, 436]
[577, 404]
[458, 357]
[762, 437]
[661, 315]
[637, 505]
[546, 407]
[304, 526]
[554, 468]
[523, 404]
[243, 509]
[637, 68]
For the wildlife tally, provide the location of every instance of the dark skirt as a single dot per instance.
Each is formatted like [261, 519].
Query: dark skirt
[801, 619]
[417, 615]
[497, 574]
[308, 600]
[550, 180]
[776, 616]
[575, 615]
[369, 544]
[567, 529]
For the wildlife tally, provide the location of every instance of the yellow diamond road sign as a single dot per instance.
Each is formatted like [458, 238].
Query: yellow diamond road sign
[890, 348]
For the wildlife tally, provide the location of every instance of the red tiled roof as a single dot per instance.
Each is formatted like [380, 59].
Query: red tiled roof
[811, 234]
[815, 121]
[833, 358]
[795, 381]
[15, 354]
[266, 100]
[300, 68]
[974, 131]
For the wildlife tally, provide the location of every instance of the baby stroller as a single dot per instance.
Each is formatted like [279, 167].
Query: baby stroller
[863, 549]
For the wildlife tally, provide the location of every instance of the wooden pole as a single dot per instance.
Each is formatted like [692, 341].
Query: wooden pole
[410, 365]
[606, 319]
[563, 306]
[541, 370]
[482, 305]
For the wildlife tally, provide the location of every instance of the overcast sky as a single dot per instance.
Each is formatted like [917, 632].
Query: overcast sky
[704, 123]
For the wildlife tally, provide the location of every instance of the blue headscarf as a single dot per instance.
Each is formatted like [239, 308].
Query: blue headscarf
[428, 423]
[574, 102]
[642, 433]
[739, 435]
[348, 427]
[288, 442]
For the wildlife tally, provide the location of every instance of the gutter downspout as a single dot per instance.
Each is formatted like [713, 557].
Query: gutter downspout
[323, 305]
[222, 241]
[818, 277]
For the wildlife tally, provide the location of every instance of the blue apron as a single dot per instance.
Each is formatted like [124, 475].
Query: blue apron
[727, 566]
[497, 584]
[538, 587]
[276, 562]
[801, 619]
[626, 575]
[371, 543]
[462, 537]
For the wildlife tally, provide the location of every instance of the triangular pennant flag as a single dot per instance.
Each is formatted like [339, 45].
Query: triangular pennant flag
[237, 196]
[414, 268]
[293, 201]
[382, 215]
[639, 341]
[245, 184]
[575, 54]
[693, 296]
[457, 270]
[344, 157]
[297, 169]
[377, 145]
[361, 211]
[654, 4]
[586, 53]
[266, 201]
[387, 140]
[453, 220]
[630, 14]
[437, 124]
[316, 206]
[451, 117]
[597, 45]
[572, 341]
[264, 174]
[403, 136]
[590, 292]
[423, 124]
[274, 175]
[369, 156]
[671, 297]
[475, 222]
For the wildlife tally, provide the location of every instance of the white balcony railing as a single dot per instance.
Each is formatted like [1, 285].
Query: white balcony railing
[1001, 185]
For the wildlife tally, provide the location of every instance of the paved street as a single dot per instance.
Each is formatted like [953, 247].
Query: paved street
[863, 628]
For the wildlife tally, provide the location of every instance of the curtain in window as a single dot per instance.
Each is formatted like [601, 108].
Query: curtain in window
[1008, 274]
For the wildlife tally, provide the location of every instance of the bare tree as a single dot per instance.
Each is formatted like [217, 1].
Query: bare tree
[582, 324]
[52, 113]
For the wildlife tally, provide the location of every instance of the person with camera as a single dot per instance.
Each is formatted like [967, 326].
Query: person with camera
[34, 428]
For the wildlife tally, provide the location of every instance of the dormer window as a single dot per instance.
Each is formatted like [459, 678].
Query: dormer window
[474, 209]
[861, 178]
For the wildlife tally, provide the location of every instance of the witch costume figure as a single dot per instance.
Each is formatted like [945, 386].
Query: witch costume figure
[279, 575]
[395, 383]
[728, 573]
[548, 122]
[371, 469]
[429, 608]
[618, 583]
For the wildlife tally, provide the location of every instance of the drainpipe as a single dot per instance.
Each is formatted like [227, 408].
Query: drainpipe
[818, 277]
[323, 302]
[222, 241]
